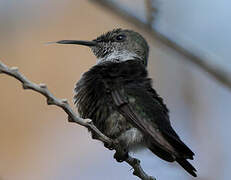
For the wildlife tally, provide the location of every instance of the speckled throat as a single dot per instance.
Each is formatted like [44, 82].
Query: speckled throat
[119, 56]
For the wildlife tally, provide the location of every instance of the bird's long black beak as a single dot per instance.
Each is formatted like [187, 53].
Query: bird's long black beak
[84, 43]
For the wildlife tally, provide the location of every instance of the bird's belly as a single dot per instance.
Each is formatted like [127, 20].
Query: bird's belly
[133, 139]
[117, 127]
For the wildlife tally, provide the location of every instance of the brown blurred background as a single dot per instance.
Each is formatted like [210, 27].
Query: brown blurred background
[37, 142]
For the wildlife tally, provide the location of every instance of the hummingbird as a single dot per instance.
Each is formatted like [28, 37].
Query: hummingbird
[117, 95]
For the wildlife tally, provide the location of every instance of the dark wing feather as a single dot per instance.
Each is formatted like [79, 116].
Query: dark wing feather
[167, 129]
[146, 110]
[129, 111]
[187, 166]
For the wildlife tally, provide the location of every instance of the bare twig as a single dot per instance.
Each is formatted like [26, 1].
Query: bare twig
[150, 12]
[72, 116]
[216, 72]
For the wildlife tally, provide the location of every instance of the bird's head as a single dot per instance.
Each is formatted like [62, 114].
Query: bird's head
[117, 45]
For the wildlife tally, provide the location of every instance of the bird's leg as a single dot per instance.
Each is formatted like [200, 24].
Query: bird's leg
[121, 156]
[121, 153]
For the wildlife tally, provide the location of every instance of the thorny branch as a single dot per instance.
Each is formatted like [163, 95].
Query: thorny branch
[72, 116]
[216, 72]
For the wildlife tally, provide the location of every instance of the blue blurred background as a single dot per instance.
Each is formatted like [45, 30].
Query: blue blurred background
[37, 142]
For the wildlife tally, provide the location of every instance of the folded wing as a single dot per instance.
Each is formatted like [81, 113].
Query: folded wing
[146, 110]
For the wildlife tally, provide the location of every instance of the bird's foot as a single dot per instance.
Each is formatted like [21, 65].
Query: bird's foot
[121, 156]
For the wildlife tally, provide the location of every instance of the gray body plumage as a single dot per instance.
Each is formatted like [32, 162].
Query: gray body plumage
[131, 138]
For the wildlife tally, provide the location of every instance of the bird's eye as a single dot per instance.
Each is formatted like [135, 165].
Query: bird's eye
[120, 37]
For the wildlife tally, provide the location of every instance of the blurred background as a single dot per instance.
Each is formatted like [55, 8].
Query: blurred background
[37, 142]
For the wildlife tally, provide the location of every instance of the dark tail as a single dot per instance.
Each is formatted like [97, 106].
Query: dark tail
[187, 166]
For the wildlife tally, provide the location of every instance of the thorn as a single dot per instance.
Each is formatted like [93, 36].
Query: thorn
[42, 85]
[50, 101]
[64, 101]
[70, 119]
[88, 121]
[94, 136]
[25, 86]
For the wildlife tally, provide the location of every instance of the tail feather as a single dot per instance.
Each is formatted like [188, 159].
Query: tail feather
[187, 166]
[161, 153]
[185, 152]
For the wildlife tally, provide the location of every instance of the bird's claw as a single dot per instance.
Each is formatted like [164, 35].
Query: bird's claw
[121, 156]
